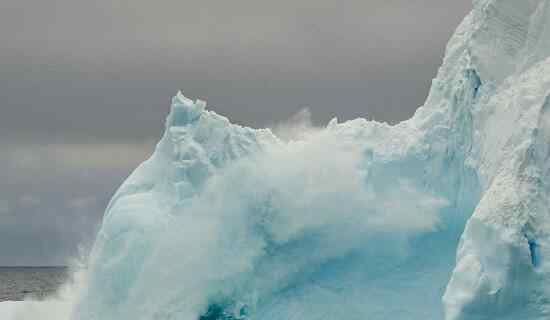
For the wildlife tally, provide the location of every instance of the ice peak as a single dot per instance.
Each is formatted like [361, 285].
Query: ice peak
[184, 110]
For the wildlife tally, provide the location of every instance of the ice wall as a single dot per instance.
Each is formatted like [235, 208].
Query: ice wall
[443, 216]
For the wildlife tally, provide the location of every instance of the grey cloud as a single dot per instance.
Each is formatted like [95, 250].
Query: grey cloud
[53, 196]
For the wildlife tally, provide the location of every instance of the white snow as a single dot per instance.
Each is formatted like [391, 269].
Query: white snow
[36, 310]
[7, 309]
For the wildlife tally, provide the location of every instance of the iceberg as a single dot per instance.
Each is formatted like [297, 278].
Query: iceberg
[443, 216]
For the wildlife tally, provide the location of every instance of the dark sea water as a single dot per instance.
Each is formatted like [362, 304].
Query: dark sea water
[16, 283]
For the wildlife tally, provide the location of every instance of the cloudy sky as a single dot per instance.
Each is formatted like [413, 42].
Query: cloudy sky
[85, 87]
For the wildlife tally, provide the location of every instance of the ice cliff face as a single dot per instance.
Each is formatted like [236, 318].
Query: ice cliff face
[443, 216]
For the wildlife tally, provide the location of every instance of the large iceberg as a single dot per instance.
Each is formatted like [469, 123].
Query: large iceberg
[443, 216]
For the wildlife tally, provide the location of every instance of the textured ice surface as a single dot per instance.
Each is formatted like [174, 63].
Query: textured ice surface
[443, 216]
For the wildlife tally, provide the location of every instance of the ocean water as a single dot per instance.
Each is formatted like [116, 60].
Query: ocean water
[18, 283]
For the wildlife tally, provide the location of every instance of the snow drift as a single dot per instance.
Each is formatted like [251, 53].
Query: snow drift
[443, 216]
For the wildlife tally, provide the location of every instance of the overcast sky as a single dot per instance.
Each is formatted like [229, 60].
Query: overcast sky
[85, 86]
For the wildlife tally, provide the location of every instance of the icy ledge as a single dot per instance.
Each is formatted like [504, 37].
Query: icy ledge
[358, 220]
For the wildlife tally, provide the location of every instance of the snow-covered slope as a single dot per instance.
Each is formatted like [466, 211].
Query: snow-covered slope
[443, 216]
